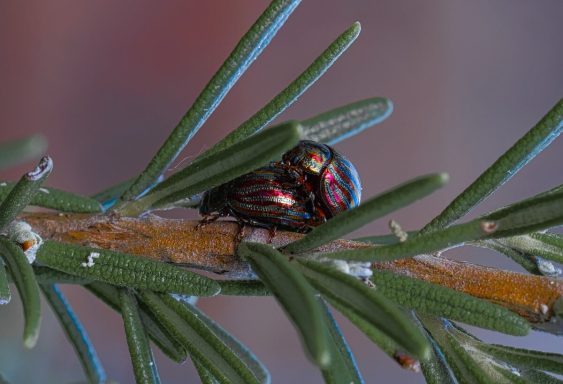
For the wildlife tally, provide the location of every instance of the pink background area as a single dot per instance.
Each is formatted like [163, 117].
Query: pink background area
[106, 81]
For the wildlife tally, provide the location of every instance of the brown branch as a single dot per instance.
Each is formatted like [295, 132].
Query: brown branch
[212, 247]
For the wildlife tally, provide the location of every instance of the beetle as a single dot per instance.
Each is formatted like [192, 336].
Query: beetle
[332, 177]
[272, 196]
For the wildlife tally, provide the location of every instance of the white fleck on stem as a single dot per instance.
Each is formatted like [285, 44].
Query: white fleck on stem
[90, 263]
[29, 241]
[547, 268]
[489, 226]
[398, 231]
[359, 269]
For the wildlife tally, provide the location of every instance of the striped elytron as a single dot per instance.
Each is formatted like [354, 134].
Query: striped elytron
[333, 177]
[312, 183]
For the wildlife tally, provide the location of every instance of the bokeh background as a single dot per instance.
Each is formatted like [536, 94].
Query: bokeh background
[106, 81]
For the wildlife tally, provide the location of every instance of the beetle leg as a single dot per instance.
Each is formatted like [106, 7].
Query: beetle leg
[271, 233]
[239, 237]
[206, 220]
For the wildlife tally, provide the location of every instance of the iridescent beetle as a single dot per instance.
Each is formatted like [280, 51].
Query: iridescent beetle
[272, 196]
[333, 178]
[312, 183]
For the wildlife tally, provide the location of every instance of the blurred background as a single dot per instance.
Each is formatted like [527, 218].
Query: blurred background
[106, 82]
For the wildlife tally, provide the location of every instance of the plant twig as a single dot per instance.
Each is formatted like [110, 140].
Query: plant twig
[212, 247]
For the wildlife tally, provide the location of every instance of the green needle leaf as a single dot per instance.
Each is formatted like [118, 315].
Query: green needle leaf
[370, 210]
[532, 376]
[57, 199]
[472, 362]
[384, 239]
[386, 344]
[342, 368]
[291, 93]
[524, 150]
[219, 168]
[441, 301]
[157, 332]
[246, 51]
[349, 120]
[294, 294]
[258, 369]
[528, 262]
[22, 150]
[46, 276]
[525, 249]
[22, 193]
[23, 276]
[346, 291]
[5, 295]
[545, 361]
[202, 343]
[538, 213]
[114, 191]
[205, 376]
[421, 244]
[435, 368]
[144, 365]
[123, 270]
[75, 333]
[243, 288]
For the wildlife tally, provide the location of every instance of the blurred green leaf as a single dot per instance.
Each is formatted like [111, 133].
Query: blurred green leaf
[22, 193]
[23, 276]
[436, 300]
[219, 168]
[342, 368]
[56, 199]
[367, 303]
[247, 50]
[294, 294]
[22, 150]
[75, 333]
[340, 123]
[3, 380]
[123, 270]
[290, 94]
[376, 207]
[5, 295]
[524, 150]
[157, 332]
[202, 343]
[144, 365]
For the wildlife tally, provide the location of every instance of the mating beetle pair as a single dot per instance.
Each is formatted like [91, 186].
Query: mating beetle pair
[311, 184]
